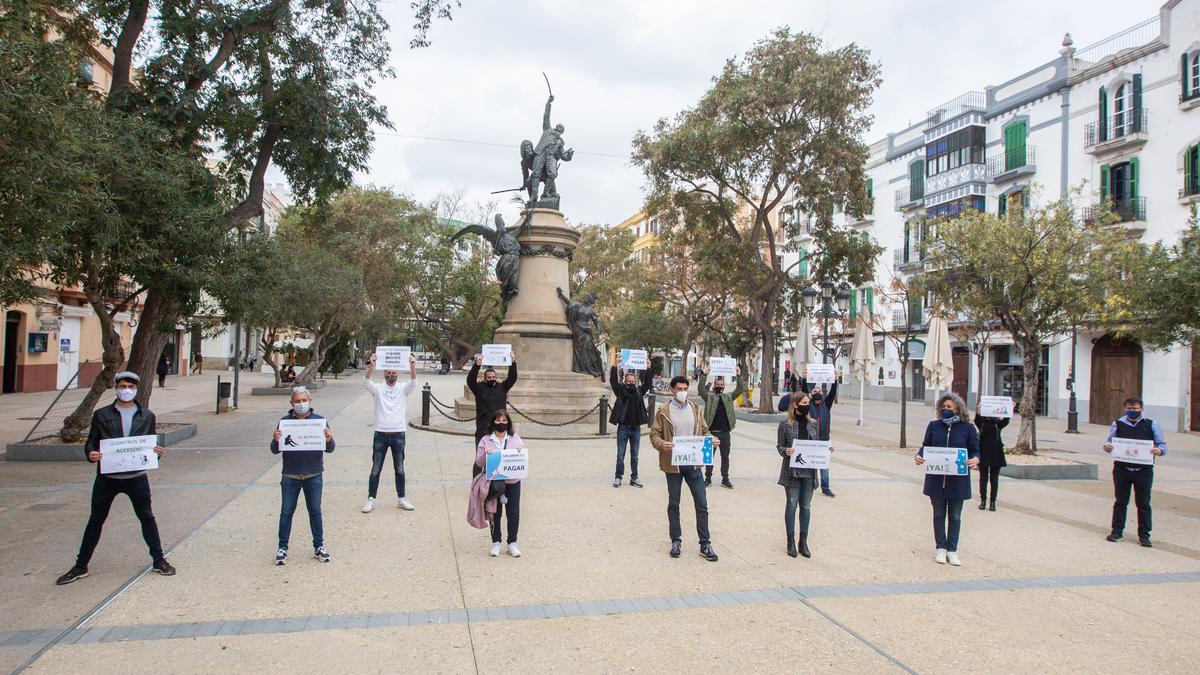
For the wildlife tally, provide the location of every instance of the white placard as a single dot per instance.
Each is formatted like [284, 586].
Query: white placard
[392, 358]
[302, 435]
[497, 355]
[1132, 450]
[821, 373]
[996, 406]
[635, 359]
[722, 366]
[945, 461]
[810, 455]
[692, 451]
[508, 464]
[129, 453]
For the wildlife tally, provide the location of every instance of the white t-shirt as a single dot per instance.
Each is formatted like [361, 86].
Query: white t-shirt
[390, 415]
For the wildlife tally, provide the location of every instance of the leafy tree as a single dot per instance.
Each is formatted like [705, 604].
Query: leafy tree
[782, 124]
[1036, 273]
[645, 325]
[901, 294]
[601, 264]
[1166, 272]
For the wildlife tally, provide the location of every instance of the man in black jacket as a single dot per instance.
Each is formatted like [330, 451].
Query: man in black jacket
[629, 414]
[490, 396]
[822, 401]
[121, 419]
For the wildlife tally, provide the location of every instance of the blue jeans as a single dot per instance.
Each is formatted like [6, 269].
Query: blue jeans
[379, 447]
[799, 495]
[824, 480]
[943, 510]
[632, 436]
[291, 488]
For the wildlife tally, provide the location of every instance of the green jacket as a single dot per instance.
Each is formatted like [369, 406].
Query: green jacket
[710, 401]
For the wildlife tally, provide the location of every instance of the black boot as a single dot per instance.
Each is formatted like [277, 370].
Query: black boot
[991, 507]
[791, 547]
[804, 545]
[982, 503]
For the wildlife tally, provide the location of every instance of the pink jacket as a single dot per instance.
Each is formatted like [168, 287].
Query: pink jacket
[480, 509]
[486, 443]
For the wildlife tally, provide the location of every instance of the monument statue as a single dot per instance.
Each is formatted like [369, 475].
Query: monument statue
[585, 326]
[539, 163]
[505, 245]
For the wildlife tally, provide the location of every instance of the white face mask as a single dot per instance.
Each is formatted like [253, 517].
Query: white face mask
[681, 396]
[301, 408]
[126, 395]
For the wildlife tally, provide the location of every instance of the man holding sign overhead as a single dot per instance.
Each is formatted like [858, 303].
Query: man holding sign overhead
[391, 425]
[720, 415]
[123, 436]
[676, 418]
[629, 414]
[1133, 441]
[303, 436]
[490, 394]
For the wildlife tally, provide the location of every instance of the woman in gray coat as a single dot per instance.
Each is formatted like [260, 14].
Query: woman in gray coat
[798, 484]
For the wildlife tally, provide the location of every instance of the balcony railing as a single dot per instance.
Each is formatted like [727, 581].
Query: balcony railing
[1127, 210]
[900, 319]
[1118, 126]
[1190, 190]
[1011, 160]
[906, 196]
[969, 102]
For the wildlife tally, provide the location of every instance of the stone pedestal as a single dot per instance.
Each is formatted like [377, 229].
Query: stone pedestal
[535, 324]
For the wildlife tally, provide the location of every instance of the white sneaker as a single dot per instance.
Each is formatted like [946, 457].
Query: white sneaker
[405, 504]
[940, 557]
[495, 552]
[369, 506]
[952, 558]
[513, 550]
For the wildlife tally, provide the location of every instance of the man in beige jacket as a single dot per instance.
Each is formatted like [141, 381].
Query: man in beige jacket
[680, 414]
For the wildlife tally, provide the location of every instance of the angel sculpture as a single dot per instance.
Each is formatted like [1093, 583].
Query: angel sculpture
[505, 245]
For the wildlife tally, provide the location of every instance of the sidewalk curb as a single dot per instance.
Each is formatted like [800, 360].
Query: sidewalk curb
[72, 452]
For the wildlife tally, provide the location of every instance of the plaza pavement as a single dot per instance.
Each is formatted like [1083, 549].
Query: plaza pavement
[1040, 589]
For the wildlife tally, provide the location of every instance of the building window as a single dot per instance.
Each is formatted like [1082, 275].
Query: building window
[916, 180]
[87, 71]
[956, 207]
[1122, 103]
[1191, 171]
[965, 146]
[1189, 75]
[1014, 145]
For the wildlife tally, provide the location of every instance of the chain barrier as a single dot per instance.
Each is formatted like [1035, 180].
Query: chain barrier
[438, 405]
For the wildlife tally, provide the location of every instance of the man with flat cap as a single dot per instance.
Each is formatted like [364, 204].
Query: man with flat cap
[121, 419]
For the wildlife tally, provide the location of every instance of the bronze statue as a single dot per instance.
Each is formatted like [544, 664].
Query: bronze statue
[539, 163]
[585, 327]
[505, 245]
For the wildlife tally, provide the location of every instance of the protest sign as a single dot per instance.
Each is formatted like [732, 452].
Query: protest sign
[945, 461]
[692, 451]
[497, 355]
[508, 464]
[810, 455]
[996, 406]
[634, 359]
[392, 358]
[722, 366]
[130, 453]
[1132, 450]
[821, 373]
[302, 435]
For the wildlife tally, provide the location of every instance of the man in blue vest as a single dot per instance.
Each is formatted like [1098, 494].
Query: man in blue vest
[821, 403]
[1129, 475]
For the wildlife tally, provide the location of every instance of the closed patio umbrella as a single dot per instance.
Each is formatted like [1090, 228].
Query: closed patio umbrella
[862, 356]
[938, 364]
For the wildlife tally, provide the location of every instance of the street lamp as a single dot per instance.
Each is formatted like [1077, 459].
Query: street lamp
[1072, 408]
[842, 299]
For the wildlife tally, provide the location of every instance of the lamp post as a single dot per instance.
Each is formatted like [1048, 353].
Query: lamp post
[842, 298]
[1072, 410]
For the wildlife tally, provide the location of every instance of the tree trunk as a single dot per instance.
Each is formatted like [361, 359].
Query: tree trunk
[148, 341]
[268, 347]
[1031, 361]
[904, 398]
[979, 375]
[323, 341]
[113, 354]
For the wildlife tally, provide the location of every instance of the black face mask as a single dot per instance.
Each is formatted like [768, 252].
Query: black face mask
[631, 387]
[500, 427]
[489, 383]
[718, 390]
[802, 409]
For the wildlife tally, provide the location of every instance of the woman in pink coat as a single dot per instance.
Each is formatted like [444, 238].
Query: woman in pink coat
[501, 435]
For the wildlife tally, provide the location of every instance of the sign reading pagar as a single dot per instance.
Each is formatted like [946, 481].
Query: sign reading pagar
[945, 461]
[996, 406]
[497, 355]
[508, 464]
[1132, 450]
[302, 435]
[130, 453]
[692, 451]
[634, 359]
[392, 358]
[810, 455]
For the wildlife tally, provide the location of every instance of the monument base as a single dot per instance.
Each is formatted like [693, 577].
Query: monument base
[546, 396]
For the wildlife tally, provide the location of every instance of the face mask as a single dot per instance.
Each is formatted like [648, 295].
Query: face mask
[301, 408]
[802, 409]
[1133, 414]
[948, 413]
[718, 390]
[490, 383]
[681, 396]
[390, 379]
[631, 387]
[126, 395]
[501, 427]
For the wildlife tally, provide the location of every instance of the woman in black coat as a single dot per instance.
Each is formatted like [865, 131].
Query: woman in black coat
[947, 493]
[798, 484]
[991, 455]
[164, 367]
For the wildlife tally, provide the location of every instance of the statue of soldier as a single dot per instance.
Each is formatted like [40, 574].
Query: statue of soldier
[539, 164]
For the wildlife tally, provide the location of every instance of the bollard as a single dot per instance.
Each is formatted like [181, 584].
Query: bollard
[603, 415]
[425, 394]
[650, 407]
[218, 394]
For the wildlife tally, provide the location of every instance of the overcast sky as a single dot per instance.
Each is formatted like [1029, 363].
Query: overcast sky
[617, 66]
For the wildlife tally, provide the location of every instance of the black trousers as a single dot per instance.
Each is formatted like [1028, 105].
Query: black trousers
[724, 448]
[104, 491]
[512, 510]
[695, 482]
[1139, 482]
[988, 474]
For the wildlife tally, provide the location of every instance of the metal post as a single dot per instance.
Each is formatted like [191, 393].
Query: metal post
[826, 310]
[218, 394]
[650, 406]
[1072, 409]
[426, 392]
[603, 415]
[237, 336]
